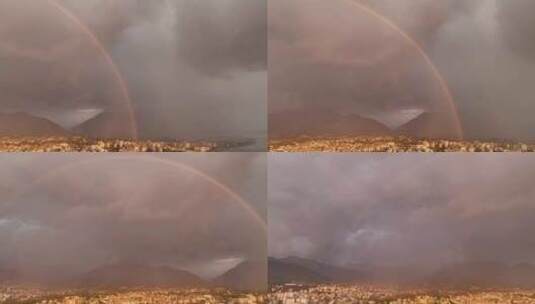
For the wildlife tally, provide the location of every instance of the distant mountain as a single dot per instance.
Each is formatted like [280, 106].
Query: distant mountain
[136, 275]
[22, 124]
[281, 272]
[8, 275]
[463, 275]
[247, 275]
[485, 274]
[384, 274]
[332, 273]
[300, 270]
[321, 122]
[105, 125]
[522, 275]
[428, 125]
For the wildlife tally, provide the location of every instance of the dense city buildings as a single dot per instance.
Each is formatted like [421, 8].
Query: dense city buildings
[392, 144]
[82, 144]
[362, 294]
[13, 295]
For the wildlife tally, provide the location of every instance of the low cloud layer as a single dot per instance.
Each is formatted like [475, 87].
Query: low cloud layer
[334, 55]
[194, 69]
[418, 211]
[62, 216]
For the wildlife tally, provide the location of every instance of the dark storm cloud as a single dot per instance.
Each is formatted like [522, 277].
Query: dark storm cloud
[518, 26]
[416, 211]
[334, 55]
[86, 212]
[233, 37]
[194, 69]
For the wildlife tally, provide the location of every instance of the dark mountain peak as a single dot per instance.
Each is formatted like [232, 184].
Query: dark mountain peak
[282, 272]
[429, 125]
[323, 122]
[106, 124]
[131, 274]
[247, 275]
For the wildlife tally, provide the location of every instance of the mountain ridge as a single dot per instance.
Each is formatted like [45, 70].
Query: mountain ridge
[461, 275]
[24, 124]
[323, 123]
[247, 275]
[137, 275]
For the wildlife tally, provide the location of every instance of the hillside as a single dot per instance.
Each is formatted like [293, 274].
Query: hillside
[22, 124]
[320, 123]
[247, 275]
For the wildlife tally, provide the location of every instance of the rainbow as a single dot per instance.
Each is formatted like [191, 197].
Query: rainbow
[236, 198]
[123, 88]
[419, 49]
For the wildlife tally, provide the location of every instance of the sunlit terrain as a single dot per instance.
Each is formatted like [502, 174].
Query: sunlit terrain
[80, 144]
[132, 296]
[289, 294]
[392, 144]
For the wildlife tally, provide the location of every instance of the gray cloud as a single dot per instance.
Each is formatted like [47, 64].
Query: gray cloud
[64, 215]
[334, 55]
[215, 46]
[194, 70]
[419, 211]
[517, 26]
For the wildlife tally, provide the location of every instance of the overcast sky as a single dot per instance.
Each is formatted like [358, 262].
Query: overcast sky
[64, 215]
[405, 210]
[333, 55]
[194, 68]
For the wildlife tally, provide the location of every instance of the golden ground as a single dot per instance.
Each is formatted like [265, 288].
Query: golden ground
[391, 144]
[80, 144]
